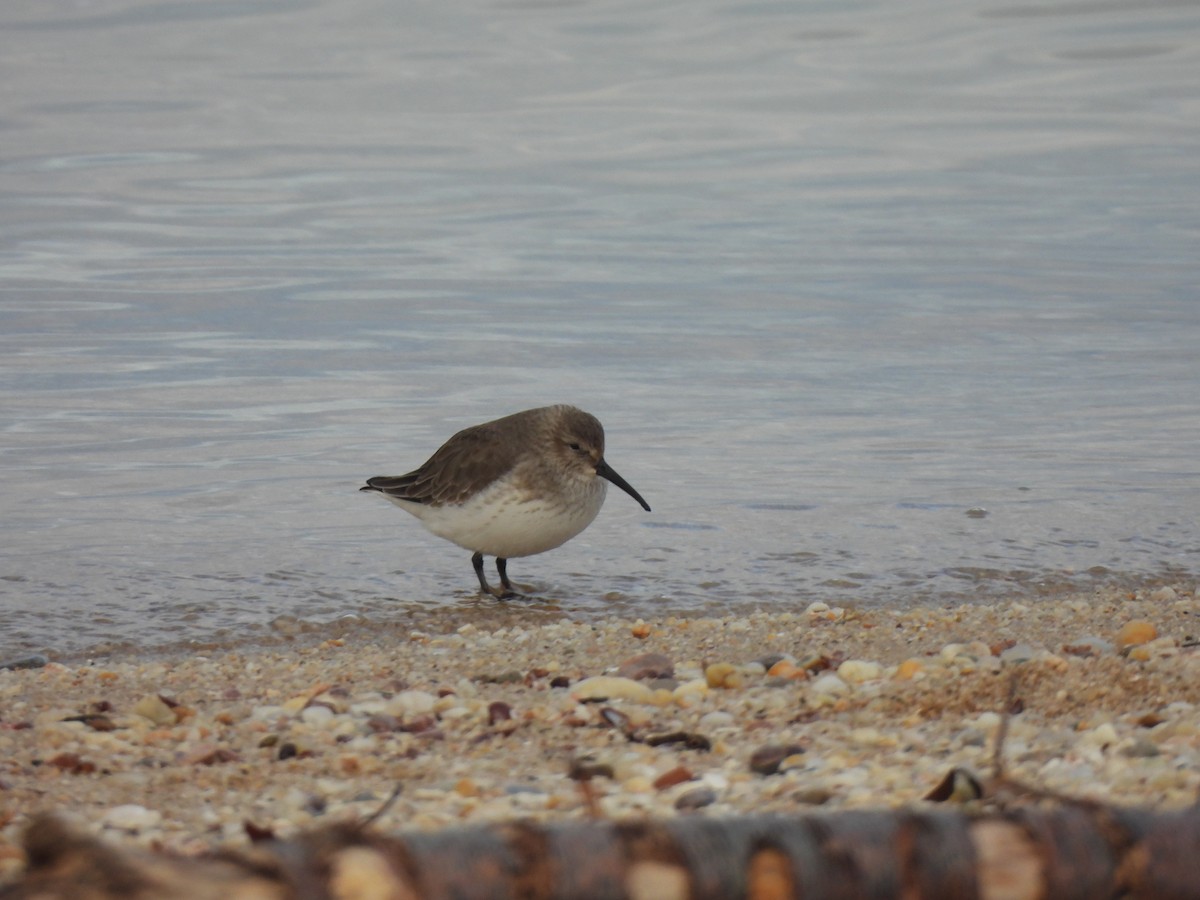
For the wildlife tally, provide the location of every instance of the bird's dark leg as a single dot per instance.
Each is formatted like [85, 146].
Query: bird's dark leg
[502, 568]
[477, 562]
[510, 589]
[502, 594]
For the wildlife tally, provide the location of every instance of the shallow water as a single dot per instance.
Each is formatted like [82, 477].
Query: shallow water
[836, 278]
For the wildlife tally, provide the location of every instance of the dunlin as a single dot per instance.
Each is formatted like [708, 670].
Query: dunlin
[517, 486]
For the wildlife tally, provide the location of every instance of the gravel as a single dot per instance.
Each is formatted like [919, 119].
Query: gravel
[775, 711]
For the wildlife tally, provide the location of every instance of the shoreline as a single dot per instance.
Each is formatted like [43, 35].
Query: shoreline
[829, 707]
[287, 632]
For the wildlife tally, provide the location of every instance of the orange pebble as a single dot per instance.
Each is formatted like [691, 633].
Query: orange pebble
[641, 630]
[786, 669]
[1134, 632]
[908, 669]
[466, 788]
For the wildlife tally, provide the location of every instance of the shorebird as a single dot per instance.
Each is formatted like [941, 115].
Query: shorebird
[516, 486]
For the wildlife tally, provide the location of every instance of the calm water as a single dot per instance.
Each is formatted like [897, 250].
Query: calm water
[832, 275]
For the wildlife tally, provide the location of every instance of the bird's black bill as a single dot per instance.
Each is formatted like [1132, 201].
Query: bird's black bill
[606, 472]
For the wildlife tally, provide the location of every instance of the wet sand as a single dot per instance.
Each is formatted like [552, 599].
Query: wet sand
[780, 711]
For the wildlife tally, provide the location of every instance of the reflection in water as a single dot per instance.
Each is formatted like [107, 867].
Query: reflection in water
[836, 280]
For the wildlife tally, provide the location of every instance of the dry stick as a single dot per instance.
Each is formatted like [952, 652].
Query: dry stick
[387, 804]
[1030, 852]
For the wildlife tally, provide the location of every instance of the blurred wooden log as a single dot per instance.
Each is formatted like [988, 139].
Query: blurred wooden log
[1072, 851]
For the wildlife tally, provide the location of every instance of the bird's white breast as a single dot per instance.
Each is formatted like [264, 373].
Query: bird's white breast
[507, 520]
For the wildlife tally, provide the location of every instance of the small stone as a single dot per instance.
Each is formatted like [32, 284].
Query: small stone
[208, 755]
[856, 671]
[690, 739]
[33, 661]
[512, 676]
[614, 718]
[767, 760]
[787, 669]
[1141, 749]
[830, 685]
[153, 708]
[1134, 632]
[972, 737]
[1162, 595]
[909, 669]
[640, 630]
[723, 675]
[423, 724]
[316, 715]
[411, 703]
[813, 796]
[610, 687]
[694, 798]
[1102, 736]
[466, 787]
[718, 718]
[73, 763]
[1088, 646]
[1018, 653]
[383, 723]
[647, 667]
[131, 818]
[951, 652]
[672, 777]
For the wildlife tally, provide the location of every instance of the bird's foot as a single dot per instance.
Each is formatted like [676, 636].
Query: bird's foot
[501, 593]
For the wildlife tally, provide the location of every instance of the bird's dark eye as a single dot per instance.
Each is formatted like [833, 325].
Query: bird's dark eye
[574, 446]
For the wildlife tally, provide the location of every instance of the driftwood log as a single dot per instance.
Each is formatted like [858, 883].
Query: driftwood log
[1072, 851]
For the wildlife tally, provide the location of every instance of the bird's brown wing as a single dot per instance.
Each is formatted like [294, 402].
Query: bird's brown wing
[465, 464]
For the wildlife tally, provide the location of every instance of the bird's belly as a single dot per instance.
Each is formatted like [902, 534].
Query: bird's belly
[500, 522]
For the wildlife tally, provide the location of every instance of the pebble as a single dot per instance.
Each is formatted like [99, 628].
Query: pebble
[769, 759]
[690, 691]
[672, 777]
[316, 715]
[1102, 736]
[786, 669]
[611, 687]
[695, 798]
[830, 685]
[1018, 653]
[716, 719]
[723, 675]
[154, 708]
[411, 703]
[33, 661]
[1089, 645]
[857, 671]
[909, 669]
[1141, 748]
[647, 667]
[131, 818]
[1134, 632]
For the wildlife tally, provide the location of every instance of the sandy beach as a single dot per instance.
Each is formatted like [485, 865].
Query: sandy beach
[483, 721]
